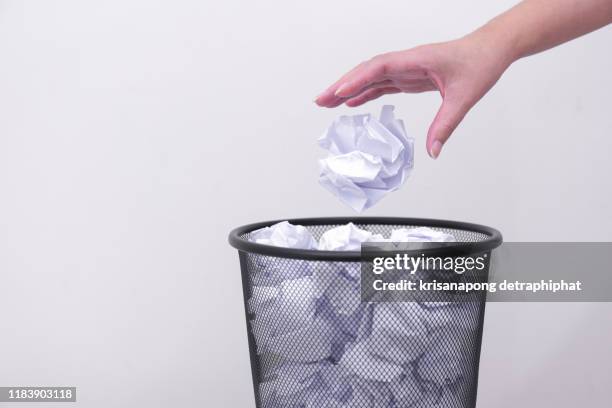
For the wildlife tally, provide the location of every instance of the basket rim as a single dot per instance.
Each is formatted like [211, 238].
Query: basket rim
[493, 240]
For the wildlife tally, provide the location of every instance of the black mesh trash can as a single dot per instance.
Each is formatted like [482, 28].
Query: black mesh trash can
[314, 343]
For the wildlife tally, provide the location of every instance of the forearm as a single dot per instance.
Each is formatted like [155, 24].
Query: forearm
[533, 26]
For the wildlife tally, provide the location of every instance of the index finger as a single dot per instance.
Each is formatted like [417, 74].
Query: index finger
[353, 83]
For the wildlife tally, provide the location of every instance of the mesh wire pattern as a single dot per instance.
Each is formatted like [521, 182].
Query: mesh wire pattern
[314, 343]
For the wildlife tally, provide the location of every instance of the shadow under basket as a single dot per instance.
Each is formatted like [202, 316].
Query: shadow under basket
[314, 343]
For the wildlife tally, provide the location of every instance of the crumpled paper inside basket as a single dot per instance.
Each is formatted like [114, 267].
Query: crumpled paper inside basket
[330, 349]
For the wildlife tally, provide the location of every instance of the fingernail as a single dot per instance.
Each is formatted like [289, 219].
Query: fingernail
[340, 89]
[436, 148]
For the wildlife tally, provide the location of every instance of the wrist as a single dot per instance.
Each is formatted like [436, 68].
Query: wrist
[499, 42]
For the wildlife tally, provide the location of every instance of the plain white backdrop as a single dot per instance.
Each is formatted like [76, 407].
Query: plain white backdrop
[135, 134]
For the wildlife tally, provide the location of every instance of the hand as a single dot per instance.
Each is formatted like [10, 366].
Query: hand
[462, 71]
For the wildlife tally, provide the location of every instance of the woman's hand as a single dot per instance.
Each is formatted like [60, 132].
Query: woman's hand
[462, 71]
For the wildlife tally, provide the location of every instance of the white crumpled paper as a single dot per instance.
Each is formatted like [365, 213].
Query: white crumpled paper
[358, 359]
[284, 234]
[420, 234]
[368, 158]
[267, 270]
[347, 237]
[445, 361]
[398, 332]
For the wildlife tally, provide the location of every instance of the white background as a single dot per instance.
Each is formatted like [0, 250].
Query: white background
[135, 134]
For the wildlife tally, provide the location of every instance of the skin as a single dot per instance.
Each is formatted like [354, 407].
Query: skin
[464, 70]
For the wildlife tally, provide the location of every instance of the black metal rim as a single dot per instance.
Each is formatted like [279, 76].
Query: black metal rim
[237, 241]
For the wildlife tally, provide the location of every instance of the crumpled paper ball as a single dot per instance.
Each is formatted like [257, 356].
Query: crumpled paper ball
[284, 234]
[347, 237]
[447, 359]
[270, 271]
[420, 234]
[368, 158]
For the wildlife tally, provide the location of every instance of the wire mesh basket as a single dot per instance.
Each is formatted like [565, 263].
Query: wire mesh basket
[314, 342]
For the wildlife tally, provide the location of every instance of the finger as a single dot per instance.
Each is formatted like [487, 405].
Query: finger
[355, 81]
[328, 96]
[337, 100]
[369, 95]
[450, 114]
[358, 81]
[417, 87]
[402, 66]
[413, 87]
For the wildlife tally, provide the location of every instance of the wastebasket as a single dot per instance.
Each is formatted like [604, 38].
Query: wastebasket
[314, 342]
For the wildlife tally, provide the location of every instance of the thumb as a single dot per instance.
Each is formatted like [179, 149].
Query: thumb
[450, 114]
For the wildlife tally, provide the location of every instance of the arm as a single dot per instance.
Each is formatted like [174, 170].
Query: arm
[464, 70]
[533, 26]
